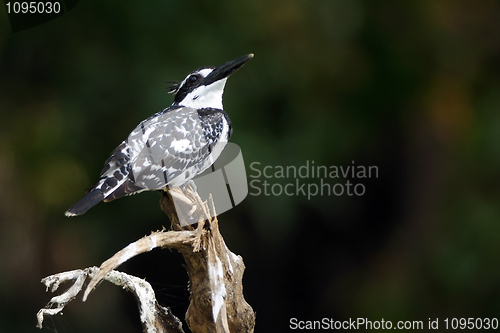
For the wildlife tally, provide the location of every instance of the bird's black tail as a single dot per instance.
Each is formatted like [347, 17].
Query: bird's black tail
[90, 200]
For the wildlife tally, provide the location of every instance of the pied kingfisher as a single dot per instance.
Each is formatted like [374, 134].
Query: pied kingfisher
[172, 146]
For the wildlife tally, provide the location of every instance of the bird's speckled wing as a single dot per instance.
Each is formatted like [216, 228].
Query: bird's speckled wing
[167, 149]
[174, 149]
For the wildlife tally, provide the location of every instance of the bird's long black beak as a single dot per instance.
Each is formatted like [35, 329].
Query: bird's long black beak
[226, 69]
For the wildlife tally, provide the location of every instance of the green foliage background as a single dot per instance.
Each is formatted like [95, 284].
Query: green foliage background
[412, 87]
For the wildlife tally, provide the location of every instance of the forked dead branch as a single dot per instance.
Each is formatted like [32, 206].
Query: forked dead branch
[215, 273]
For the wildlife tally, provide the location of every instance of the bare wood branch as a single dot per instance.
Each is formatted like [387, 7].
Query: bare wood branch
[215, 273]
[154, 317]
[145, 244]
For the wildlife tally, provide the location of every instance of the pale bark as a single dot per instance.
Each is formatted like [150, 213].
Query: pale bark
[215, 273]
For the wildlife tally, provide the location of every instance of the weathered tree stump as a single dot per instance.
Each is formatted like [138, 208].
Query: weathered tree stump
[215, 273]
[215, 276]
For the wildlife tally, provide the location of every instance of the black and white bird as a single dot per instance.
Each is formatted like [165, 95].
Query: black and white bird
[174, 145]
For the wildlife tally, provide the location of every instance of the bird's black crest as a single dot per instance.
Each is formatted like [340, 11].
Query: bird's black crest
[174, 87]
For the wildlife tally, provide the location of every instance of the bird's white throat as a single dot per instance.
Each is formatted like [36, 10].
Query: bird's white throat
[206, 96]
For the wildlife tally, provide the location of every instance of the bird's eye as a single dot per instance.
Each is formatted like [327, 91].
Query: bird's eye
[193, 78]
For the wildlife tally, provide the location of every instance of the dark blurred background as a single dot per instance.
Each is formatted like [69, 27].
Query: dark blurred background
[410, 87]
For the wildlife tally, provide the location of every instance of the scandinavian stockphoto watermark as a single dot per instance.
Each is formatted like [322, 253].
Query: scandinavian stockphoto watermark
[310, 180]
